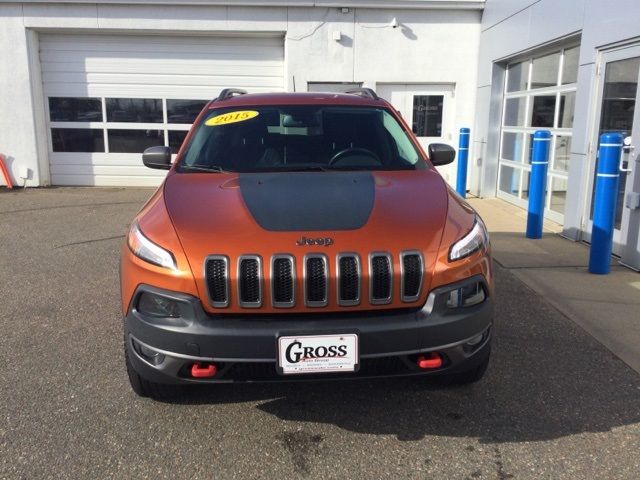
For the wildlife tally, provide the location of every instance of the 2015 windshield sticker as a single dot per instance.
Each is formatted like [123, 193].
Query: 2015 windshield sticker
[231, 117]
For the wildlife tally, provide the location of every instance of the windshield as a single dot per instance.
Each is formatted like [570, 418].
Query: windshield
[308, 137]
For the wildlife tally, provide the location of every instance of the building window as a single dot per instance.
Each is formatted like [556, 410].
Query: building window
[539, 93]
[119, 125]
[427, 115]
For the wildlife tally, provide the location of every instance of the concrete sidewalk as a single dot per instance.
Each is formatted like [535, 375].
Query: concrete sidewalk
[606, 306]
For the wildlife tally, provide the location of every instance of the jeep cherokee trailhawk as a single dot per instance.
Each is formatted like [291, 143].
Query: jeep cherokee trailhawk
[303, 236]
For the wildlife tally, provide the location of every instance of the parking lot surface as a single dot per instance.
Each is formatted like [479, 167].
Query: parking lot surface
[554, 403]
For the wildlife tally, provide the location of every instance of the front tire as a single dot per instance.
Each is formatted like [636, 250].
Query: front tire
[466, 377]
[145, 388]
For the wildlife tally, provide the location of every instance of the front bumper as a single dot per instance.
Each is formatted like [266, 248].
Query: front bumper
[244, 346]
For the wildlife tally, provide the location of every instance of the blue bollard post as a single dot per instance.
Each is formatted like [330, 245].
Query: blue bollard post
[604, 202]
[463, 158]
[538, 183]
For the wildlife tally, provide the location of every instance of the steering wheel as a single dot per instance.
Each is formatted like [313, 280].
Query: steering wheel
[343, 153]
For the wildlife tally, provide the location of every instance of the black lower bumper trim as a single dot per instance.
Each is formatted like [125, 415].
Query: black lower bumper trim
[244, 348]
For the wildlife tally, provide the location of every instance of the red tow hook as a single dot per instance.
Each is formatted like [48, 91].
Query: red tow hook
[430, 361]
[199, 371]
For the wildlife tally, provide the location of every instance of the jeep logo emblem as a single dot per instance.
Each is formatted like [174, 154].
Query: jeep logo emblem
[326, 241]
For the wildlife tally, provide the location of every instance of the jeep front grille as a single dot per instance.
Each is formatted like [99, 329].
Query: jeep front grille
[319, 278]
[380, 278]
[316, 285]
[411, 277]
[348, 279]
[283, 281]
[217, 277]
[250, 281]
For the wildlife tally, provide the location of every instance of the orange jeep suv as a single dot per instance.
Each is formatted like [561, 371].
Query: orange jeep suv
[303, 236]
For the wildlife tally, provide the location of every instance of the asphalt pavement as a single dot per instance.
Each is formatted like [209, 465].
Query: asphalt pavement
[554, 404]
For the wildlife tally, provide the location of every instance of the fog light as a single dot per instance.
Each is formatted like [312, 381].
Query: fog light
[157, 306]
[475, 340]
[149, 354]
[466, 296]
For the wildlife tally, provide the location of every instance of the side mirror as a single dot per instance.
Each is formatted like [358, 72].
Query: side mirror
[441, 154]
[157, 157]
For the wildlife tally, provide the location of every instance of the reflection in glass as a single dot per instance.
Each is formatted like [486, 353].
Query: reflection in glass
[558, 194]
[570, 67]
[545, 71]
[562, 154]
[517, 76]
[427, 115]
[514, 112]
[530, 148]
[134, 141]
[567, 106]
[184, 111]
[139, 110]
[69, 109]
[176, 137]
[512, 144]
[543, 111]
[77, 140]
[509, 180]
[525, 184]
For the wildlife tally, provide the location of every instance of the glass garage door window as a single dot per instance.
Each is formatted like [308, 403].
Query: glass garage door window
[119, 125]
[539, 93]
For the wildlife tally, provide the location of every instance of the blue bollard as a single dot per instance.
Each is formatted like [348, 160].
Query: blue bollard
[604, 202]
[463, 158]
[538, 183]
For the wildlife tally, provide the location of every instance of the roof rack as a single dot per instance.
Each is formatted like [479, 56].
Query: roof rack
[364, 92]
[229, 92]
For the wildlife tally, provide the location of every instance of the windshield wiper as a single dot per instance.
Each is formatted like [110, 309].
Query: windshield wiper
[303, 168]
[202, 168]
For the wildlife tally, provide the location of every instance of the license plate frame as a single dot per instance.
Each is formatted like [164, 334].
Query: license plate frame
[327, 360]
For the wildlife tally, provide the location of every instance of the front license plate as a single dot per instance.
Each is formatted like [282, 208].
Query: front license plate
[318, 353]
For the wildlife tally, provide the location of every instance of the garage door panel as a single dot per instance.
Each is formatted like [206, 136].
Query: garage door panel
[75, 159]
[205, 92]
[109, 170]
[155, 79]
[106, 180]
[160, 65]
[152, 68]
[100, 42]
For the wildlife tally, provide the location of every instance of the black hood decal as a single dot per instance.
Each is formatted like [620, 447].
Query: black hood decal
[308, 201]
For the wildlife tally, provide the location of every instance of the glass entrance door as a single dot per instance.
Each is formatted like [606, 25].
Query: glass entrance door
[617, 112]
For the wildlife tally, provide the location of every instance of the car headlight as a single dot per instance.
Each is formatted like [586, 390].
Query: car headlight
[148, 251]
[473, 241]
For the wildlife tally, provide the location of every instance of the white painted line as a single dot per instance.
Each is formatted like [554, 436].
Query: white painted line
[610, 144]
[465, 133]
[462, 148]
[541, 139]
[539, 163]
[608, 175]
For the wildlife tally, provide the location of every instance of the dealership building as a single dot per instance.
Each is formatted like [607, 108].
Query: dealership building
[86, 86]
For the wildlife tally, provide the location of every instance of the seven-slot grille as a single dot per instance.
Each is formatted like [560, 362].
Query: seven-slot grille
[316, 279]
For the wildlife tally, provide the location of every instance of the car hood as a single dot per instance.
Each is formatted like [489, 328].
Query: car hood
[269, 213]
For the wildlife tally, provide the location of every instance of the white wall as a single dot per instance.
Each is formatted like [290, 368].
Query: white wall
[430, 46]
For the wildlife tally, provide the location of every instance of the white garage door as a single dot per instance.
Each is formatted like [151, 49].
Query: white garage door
[108, 97]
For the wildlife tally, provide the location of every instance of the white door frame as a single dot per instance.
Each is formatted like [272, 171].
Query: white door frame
[623, 237]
